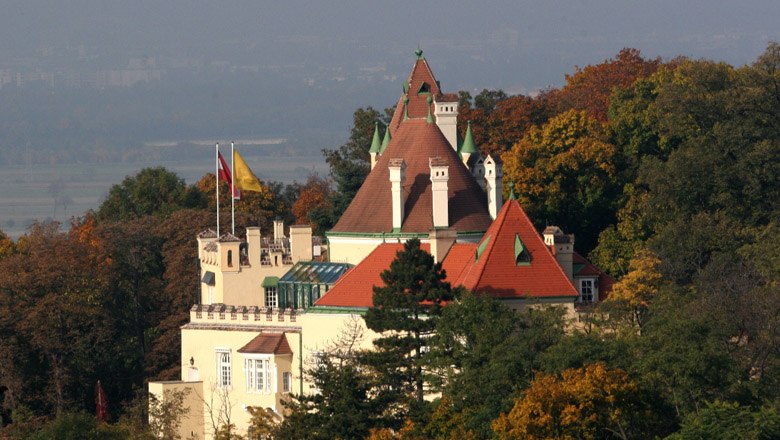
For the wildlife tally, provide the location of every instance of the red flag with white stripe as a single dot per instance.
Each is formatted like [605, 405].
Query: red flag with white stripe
[224, 174]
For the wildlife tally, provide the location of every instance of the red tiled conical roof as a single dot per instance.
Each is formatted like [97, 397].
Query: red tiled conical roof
[496, 271]
[415, 141]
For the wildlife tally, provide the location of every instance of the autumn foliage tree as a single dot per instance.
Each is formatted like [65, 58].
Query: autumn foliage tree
[314, 206]
[565, 173]
[633, 294]
[593, 402]
[589, 89]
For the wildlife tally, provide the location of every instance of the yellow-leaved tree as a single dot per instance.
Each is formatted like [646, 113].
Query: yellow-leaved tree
[565, 173]
[584, 403]
[634, 292]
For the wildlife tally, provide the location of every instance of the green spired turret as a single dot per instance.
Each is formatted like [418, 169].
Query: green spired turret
[468, 148]
[376, 145]
[385, 141]
[468, 145]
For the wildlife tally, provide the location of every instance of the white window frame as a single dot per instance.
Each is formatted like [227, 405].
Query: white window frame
[585, 283]
[287, 382]
[260, 373]
[224, 367]
[272, 292]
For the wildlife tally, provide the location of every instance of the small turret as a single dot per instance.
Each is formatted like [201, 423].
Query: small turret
[468, 148]
[385, 141]
[376, 145]
[493, 175]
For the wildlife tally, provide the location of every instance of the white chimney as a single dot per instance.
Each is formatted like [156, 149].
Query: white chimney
[397, 176]
[278, 229]
[562, 246]
[439, 177]
[493, 175]
[447, 120]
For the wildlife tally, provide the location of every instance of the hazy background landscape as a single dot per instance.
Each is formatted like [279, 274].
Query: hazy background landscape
[91, 91]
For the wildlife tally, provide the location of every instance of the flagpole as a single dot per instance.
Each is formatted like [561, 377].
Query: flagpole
[233, 190]
[216, 176]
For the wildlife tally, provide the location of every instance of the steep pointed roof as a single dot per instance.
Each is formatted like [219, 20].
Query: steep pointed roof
[468, 145]
[500, 268]
[420, 85]
[385, 141]
[376, 144]
[416, 141]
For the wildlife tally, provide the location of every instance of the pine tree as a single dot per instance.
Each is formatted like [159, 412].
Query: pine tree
[405, 311]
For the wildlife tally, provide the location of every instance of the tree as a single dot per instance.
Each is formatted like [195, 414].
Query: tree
[634, 292]
[586, 403]
[165, 416]
[151, 191]
[314, 206]
[589, 88]
[405, 311]
[482, 367]
[342, 406]
[730, 421]
[565, 173]
[6, 245]
[350, 163]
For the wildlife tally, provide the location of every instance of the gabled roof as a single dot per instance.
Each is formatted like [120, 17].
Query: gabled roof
[267, 343]
[584, 268]
[415, 142]
[497, 271]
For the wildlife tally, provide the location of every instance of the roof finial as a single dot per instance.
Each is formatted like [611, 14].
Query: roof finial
[418, 52]
[512, 191]
[406, 107]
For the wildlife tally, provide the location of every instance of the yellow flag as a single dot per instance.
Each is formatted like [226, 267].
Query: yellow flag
[244, 177]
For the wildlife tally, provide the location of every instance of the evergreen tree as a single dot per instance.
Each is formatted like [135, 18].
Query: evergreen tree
[405, 311]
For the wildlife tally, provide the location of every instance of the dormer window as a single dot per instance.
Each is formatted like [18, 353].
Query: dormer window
[424, 88]
[522, 256]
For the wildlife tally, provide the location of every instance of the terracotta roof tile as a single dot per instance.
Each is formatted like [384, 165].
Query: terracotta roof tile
[496, 271]
[416, 141]
[267, 343]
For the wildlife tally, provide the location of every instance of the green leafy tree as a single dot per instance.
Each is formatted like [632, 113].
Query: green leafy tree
[151, 191]
[351, 162]
[482, 367]
[342, 406]
[405, 312]
[565, 173]
[730, 421]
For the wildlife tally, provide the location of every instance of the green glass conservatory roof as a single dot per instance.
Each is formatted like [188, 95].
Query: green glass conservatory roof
[315, 272]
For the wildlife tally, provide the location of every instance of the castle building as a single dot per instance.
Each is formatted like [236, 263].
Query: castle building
[269, 306]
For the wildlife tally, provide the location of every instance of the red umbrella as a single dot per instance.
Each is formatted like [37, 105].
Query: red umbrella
[101, 406]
